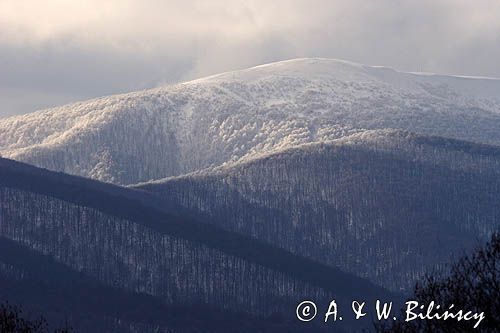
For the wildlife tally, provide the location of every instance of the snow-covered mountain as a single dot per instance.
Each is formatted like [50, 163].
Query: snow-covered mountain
[181, 128]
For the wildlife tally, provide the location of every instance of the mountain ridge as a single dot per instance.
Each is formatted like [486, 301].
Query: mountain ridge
[118, 238]
[204, 123]
[365, 197]
[131, 204]
[378, 138]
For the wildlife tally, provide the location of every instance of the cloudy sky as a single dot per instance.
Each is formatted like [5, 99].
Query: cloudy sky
[55, 51]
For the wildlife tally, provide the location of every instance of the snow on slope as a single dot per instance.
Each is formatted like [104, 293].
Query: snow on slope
[228, 117]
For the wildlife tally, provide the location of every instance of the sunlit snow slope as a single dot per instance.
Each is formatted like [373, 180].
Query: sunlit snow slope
[181, 128]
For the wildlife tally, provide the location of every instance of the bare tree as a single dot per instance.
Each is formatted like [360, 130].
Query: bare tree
[12, 321]
[473, 285]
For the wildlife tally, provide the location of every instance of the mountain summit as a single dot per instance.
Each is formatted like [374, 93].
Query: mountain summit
[234, 116]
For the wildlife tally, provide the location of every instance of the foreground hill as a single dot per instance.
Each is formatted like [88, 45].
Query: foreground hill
[131, 266]
[385, 205]
[173, 130]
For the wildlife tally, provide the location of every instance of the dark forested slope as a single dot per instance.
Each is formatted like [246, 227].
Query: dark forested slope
[385, 205]
[102, 239]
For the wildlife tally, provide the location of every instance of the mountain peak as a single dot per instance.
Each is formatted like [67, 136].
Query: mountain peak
[321, 67]
[233, 116]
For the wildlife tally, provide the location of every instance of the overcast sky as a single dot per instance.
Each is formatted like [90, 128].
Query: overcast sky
[54, 51]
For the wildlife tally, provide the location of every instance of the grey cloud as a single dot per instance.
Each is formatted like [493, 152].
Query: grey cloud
[79, 52]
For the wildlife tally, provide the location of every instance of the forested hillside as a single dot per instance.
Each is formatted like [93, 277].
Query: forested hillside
[384, 205]
[246, 193]
[110, 247]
